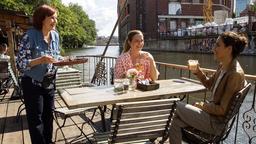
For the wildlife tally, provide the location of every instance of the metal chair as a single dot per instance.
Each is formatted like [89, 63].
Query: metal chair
[195, 136]
[5, 80]
[136, 122]
[64, 113]
[69, 79]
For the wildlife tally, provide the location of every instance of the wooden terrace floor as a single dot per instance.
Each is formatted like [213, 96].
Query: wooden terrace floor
[15, 131]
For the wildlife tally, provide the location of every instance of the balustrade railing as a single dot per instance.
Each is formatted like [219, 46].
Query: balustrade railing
[88, 69]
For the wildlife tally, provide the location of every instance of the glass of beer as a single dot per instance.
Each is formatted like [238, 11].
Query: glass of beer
[192, 64]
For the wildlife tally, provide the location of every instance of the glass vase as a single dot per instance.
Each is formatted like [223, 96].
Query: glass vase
[132, 84]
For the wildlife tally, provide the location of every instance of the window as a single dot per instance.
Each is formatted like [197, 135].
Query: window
[162, 25]
[174, 8]
[225, 2]
[173, 25]
[195, 1]
[183, 24]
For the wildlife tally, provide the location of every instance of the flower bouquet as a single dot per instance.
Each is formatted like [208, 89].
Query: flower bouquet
[132, 75]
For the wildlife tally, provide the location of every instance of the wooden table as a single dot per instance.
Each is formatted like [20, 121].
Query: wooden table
[95, 96]
[100, 96]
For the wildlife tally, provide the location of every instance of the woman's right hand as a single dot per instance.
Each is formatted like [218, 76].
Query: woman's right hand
[47, 59]
[194, 67]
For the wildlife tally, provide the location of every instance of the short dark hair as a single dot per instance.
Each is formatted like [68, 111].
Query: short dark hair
[236, 40]
[41, 13]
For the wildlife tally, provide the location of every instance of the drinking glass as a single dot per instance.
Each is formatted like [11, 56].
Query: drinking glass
[192, 64]
[118, 85]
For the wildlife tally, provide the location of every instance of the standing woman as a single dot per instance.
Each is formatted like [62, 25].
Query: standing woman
[227, 80]
[133, 55]
[38, 49]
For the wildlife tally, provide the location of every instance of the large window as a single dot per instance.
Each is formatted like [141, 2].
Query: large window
[174, 8]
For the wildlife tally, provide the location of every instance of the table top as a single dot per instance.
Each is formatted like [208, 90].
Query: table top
[95, 96]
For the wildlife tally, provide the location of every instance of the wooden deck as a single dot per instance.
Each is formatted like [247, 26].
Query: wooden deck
[15, 131]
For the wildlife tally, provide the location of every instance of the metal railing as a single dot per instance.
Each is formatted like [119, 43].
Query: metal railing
[88, 68]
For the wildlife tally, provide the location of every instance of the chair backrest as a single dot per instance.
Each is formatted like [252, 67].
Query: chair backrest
[134, 121]
[4, 70]
[100, 74]
[235, 105]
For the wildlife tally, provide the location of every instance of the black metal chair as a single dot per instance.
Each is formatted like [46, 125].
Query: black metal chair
[195, 136]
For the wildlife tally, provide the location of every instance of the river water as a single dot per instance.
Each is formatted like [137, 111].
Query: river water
[206, 60]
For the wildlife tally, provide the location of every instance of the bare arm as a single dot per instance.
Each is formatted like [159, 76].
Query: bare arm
[153, 70]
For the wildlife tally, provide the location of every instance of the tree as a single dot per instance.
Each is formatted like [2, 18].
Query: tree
[74, 25]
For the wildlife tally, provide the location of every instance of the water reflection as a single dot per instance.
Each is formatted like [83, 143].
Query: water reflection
[206, 60]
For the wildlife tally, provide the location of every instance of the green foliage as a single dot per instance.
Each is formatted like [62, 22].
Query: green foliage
[74, 25]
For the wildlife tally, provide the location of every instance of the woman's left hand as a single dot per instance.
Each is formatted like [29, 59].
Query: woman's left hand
[199, 104]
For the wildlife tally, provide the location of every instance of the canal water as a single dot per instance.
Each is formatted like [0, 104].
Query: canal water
[206, 60]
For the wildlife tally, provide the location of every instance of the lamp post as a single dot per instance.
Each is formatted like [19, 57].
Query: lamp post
[250, 17]
[250, 12]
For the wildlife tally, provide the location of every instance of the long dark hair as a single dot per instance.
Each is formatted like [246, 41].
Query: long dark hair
[129, 38]
[237, 41]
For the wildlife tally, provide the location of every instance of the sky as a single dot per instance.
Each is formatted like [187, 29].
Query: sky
[103, 12]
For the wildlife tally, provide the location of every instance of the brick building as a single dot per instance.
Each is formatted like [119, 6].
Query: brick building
[163, 16]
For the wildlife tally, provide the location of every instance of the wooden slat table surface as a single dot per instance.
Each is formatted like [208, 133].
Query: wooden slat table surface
[95, 96]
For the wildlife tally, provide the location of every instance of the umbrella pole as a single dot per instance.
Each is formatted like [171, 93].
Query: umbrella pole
[112, 33]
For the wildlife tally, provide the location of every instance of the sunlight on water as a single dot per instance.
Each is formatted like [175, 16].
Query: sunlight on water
[206, 60]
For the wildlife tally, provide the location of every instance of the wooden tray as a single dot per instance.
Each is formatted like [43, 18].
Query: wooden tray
[71, 62]
[151, 86]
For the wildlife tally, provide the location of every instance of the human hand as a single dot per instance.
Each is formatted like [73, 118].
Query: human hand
[47, 59]
[193, 66]
[69, 58]
[199, 104]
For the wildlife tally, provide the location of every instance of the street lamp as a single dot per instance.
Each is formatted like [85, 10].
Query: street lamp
[250, 11]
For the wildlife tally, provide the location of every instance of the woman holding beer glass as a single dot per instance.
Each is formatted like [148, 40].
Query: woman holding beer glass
[224, 83]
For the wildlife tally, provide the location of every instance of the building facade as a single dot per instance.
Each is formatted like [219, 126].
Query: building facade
[241, 6]
[154, 17]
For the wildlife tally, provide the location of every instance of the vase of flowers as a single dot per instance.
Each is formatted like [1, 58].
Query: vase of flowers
[132, 76]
